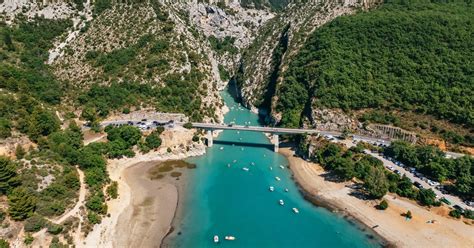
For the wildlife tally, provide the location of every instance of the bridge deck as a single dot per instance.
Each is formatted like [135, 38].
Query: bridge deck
[274, 130]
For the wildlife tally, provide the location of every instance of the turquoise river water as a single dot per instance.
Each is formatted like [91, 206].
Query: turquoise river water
[222, 200]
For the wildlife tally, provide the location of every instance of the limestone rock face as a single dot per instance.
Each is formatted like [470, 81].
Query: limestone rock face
[333, 120]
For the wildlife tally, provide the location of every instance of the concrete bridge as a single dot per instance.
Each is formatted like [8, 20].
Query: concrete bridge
[275, 131]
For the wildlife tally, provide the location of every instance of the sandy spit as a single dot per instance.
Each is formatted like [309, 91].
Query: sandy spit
[142, 214]
[389, 224]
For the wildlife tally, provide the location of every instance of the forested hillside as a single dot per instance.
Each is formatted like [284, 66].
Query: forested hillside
[410, 56]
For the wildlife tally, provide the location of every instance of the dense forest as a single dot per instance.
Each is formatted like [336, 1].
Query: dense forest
[410, 56]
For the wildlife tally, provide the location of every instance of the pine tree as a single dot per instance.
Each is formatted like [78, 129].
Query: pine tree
[21, 203]
[19, 152]
[8, 175]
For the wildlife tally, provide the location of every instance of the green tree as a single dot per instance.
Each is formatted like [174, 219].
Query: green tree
[4, 244]
[42, 123]
[408, 214]
[382, 205]
[112, 190]
[153, 140]
[8, 175]
[5, 128]
[22, 203]
[376, 183]
[19, 152]
[427, 197]
[89, 114]
[188, 125]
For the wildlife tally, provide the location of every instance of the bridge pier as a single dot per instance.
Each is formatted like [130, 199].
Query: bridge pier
[210, 138]
[275, 142]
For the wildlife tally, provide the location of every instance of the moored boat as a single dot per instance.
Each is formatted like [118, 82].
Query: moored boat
[296, 211]
[281, 166]
[281, 202]
[229, 238]
[216, 239]
[277, 178]
[271, 188]
[245, 169]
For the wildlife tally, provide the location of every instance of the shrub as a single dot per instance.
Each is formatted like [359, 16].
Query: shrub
[455, 213]
[28, 239]
[34, 223]
[382, 205]
[408, 214]
[54, 228]
[112, 190]
[4, 244]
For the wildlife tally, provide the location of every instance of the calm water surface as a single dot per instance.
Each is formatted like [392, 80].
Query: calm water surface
[223, 200]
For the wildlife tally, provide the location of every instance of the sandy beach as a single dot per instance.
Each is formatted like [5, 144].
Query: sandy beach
[445, 232]
[147, 219]
[142, 214]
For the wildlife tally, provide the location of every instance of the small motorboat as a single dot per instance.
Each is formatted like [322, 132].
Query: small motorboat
[277, 178]
[286, 190]
[245, 169]
[296, 211]
[252, 163]
[234, 161]
[228, 165]
[271, 188]
[281, 202]
[222, 148]
[281, 166]
[271, 168]
[242, 148]
[229, 238]
[216, 239]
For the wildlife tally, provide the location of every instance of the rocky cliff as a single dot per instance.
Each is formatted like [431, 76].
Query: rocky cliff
[267, 58]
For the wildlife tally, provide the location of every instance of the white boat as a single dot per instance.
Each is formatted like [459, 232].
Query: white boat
[222, 148]
[277, 178]
[228, 165]
[234, 161]
[282, 202]
[281, 166]
[242, 148]
[271, 188]
[271, 168]
[296, 211]
[286, 190]
[229, 238]
[252, 163]
[245, 169]
[216, 239]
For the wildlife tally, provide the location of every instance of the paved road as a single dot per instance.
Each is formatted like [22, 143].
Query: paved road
[275, 130]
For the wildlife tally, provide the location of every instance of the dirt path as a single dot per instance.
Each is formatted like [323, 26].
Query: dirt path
[82, 196]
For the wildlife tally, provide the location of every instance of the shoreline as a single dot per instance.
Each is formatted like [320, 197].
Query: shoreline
[319, 201]
[390, 227]
[106, 233]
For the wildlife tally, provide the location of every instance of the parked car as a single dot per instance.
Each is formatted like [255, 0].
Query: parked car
[418, 185]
